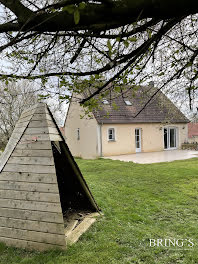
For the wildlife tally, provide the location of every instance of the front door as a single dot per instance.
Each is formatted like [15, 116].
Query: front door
[170, 138]
[138, 139]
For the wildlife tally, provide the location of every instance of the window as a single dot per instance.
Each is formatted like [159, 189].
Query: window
[127, 102]
[111, 134]
[170, 137]
[105, 101]
[78, 133]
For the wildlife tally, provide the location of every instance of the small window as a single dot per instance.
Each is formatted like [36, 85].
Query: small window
[127, 102]
[111, 134]
[78, 133]
[105, 101]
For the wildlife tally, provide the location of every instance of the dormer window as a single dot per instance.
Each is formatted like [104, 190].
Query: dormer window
[105, 101]
[127, 102]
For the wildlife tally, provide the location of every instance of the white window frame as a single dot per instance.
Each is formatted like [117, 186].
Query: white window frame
[140, 140]
[113, 129]
[168, 137]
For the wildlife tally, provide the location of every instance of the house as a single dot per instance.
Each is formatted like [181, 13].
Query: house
[114, 128]
[192, 132]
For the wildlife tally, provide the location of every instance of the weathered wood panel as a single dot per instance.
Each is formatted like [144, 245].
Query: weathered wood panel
[53, 130]
[38, 110]
[52, 228]
[18, 130]
[41, 145]
[32, 215]
[32, 187]
[28, 177]
[9, 149]
[33, 107]
[31, 205]
[36, 130]
[29, 244]
[22, 124]
[29, 168]
[43, 123]
[55, 137]
[30, 196]
[80, 229]
[31, 160]
[31, 153]
[54, 239]
[41, 117]
[50, 123]
[24, 119]
[35, 137]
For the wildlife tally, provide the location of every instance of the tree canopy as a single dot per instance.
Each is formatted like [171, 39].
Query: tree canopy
[113, 41]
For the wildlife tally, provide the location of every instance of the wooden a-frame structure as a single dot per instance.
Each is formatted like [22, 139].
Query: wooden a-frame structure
[39, 183]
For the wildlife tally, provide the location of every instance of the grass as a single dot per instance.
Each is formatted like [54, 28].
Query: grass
[139, 202]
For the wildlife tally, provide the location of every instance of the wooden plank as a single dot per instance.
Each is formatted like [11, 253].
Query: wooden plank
[18, 130]
[71, 225]
[41, 117]
[31, 205]
[55, 239]
[31, 153]
[42, 123]
[9, 149]
[30, 196]
[33, 107]
[34, 138]
[38, 110]
[37, 130]
[52, 228]
[29, 168]
[29, 244]
[22, 124]
[55, 137]
[28, 177]
[32, 215]
[27, 186]
[80, 229]
[50, 123]
[24, 119]
[31, 160]
[41, 145]
[53, 130]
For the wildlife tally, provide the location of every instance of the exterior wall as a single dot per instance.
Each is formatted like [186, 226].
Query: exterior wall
[152, 138]
[87, 145]
[193, 139]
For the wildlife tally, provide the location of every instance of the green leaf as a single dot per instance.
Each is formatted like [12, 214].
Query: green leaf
[149, 33]
[109, 45]
[126, 43]
[189, 64]
[76, 16]
[82, 5]
[162, 73]
[133, 39]
[70, 9]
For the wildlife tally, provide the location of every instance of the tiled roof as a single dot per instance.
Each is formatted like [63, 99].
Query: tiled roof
[159, 110]
[192, 129]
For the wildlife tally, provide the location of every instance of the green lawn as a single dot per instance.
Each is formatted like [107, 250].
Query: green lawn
[139, 202]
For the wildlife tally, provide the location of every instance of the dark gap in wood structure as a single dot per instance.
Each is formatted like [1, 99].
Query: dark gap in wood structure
[73, 198]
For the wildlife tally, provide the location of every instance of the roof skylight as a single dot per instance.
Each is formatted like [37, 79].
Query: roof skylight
[127, 102]
[105, 101]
